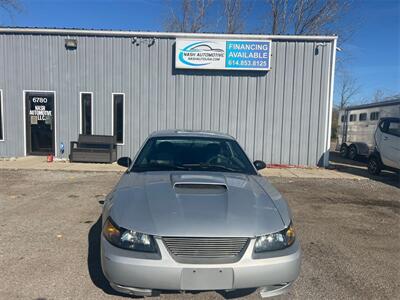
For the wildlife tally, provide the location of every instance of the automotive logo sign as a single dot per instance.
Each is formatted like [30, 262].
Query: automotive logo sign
[223, 54]
[199, 54]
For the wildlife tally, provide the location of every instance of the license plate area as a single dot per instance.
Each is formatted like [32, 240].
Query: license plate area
[207, 279]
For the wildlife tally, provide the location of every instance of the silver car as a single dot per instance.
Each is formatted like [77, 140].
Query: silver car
[192, 213]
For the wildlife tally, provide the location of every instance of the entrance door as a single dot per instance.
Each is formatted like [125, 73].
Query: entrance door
[40, 135]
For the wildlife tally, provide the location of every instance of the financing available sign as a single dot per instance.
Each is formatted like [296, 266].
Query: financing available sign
[223, 54]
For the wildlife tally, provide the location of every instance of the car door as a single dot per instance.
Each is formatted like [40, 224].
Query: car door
[389, 143]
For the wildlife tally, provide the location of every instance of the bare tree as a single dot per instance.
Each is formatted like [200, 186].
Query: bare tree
[191, 18]
[347, 90]
[335, 122]
[10, 7]
[234, 14]
[378, 96]
[278, 16]
[305, 16]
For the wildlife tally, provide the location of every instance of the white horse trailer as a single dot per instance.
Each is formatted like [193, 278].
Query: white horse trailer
[357, 126]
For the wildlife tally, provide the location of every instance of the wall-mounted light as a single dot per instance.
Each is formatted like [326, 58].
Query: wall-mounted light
[151, 42]
[71, 44]
[148, 41]
[316, 51]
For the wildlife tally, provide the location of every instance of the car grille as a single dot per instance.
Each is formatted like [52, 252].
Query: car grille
[206, 250]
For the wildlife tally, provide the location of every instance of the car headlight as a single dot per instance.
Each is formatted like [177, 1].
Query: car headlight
[275, 241]
[128, 239]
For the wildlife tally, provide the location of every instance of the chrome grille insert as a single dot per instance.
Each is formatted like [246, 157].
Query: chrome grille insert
[206, 249]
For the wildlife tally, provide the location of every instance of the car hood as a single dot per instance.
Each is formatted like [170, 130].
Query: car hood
[194, 204]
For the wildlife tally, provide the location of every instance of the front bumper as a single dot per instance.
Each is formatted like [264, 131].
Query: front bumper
[128, 273]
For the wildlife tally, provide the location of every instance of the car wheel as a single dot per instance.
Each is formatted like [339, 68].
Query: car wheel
[374, 165]
[344, 151]
[352, 152]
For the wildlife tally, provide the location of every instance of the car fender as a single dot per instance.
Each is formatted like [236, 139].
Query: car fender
[375, 153]
[276, 197]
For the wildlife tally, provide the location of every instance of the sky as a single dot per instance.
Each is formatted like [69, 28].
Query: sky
[371, 55]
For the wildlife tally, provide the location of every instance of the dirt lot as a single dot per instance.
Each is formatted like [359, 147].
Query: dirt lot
[49, 229]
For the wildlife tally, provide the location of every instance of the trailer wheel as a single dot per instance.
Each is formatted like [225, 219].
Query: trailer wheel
[374, 165]
[344, 151]
[353, 152]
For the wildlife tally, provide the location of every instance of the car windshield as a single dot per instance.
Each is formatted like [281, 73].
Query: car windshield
[192, 154]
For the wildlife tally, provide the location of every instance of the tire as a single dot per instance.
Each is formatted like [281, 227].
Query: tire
[374, 165]
[344, 151]
[353, 153]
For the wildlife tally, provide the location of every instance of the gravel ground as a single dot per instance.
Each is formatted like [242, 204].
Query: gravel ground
[49, 229]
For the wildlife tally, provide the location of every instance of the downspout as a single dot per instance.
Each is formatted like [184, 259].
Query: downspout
[330, 106]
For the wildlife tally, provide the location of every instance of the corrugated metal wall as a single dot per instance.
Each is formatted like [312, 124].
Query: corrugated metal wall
[279, 116]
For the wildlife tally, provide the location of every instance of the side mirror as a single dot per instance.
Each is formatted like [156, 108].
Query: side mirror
[259, 164]
[124, 161]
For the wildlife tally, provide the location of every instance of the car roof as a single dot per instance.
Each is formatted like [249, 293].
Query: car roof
[390, 119]
[190, 133]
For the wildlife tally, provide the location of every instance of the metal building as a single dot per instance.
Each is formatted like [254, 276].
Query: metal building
[281, 116]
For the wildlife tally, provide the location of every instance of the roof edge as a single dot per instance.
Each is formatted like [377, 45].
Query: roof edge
[123, 33]
[395, 101]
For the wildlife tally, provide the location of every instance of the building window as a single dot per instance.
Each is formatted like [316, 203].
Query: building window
[362, 117]
[342, 119]
[118, 117]
[86, 113]
[1, 117]
[374, 116]
[353, 118]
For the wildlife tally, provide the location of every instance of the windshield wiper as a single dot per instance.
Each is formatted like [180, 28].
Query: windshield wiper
[211, 166]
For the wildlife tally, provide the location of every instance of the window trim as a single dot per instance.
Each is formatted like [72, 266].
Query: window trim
[91, 111]
[3, 138]
[374, 112]
[355, 118]
[24, 92]
[359, 117]
[382, 125]
[387, 129]
[124, 116]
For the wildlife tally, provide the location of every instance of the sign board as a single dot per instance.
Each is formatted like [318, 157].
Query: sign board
[223, 54]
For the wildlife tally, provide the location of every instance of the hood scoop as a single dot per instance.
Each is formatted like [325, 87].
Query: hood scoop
[199, 182]
[200, 185]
